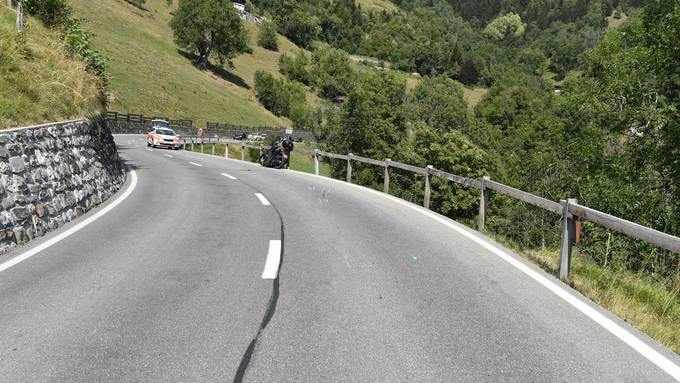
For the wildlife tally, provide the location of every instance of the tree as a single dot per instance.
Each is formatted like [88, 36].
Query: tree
[295, 68]
[332, 72]
[506, 26]
[281, 97]
[209, 28]
[267, 37]
[469, 74]
[438, 101]
[300, 28]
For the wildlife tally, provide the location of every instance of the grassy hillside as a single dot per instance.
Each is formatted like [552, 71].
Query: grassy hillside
[149, 75]
[38, 82]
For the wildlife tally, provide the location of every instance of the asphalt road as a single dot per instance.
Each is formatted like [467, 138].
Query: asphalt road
[168, 287]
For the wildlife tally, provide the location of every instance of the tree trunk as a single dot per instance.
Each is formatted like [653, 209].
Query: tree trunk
[203, 56]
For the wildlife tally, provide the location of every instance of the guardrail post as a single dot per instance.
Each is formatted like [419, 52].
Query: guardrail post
[567, 238]
[316, 161]
[349, 168]
[484, 195]
[243, 151]
[386, 183]
[428, 186]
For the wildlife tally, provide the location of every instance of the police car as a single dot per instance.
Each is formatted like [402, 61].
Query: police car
[162, 136]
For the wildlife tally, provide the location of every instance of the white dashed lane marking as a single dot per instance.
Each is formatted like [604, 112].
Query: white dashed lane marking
[262, 199]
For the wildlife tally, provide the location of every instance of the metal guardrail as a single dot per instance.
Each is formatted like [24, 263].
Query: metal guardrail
[569, 209]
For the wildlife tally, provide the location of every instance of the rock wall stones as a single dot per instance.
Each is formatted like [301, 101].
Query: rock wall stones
[51, 174]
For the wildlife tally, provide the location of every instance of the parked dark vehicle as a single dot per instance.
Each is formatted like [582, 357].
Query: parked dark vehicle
[239, 136]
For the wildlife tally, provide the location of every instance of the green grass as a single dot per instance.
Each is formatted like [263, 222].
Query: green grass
[298, 161]
[38, 81]
[474, 95]
[150, 76]
[651, 306]
[613, 23]
[378, 5]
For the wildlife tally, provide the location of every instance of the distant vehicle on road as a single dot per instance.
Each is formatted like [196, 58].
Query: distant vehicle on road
[162, 136]
[257, 136]
[239, 136]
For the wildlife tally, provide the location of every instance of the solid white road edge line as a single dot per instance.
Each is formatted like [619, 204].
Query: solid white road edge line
[271, 266]
[195, 164]
[631, 340]
[262, 199]
[228, 176]
[20, 258]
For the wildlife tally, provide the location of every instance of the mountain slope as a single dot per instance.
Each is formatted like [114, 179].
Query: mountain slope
[38, 82]
[150, 76]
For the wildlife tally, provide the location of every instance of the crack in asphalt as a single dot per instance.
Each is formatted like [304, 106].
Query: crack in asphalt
[271, 305]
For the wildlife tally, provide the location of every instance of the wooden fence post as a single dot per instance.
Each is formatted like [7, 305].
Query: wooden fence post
[349, 168]
[20, 16]
[243, 151]
[567, 238]
[428, 186]
[316, 161]
[386, 183]
[483, 202]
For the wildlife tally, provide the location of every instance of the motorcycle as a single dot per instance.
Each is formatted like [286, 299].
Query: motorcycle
[275, 157]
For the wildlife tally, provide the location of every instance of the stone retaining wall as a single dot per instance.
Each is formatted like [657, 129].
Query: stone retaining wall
[51, 174]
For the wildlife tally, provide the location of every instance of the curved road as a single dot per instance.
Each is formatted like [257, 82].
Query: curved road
[168, 287]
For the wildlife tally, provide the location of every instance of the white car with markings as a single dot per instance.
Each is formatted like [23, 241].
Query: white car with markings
[162, 136]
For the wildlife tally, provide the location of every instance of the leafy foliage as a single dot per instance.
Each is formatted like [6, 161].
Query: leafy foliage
[209, 28]
[267, 37]
[50, 12]
[331, 72]
[504, 27]
[281, 97]
[295, 68]
[78, 43]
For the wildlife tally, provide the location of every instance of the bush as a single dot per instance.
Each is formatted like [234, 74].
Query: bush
[281, 97]
[332, 72]
[50, 12]
[267, 37]
[295, 68]
[78, 43]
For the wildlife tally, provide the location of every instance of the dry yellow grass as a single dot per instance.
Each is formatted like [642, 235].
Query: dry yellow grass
[38, 81]
[648, 305]
[613, 23]
[379, 5]
[474, 95]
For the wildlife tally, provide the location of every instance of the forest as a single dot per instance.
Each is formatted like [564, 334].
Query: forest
[609, 138]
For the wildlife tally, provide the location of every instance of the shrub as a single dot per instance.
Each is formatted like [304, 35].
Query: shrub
[267, 38]
[78, 43]
[281, 97]
[50, 12]
[295, 68]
